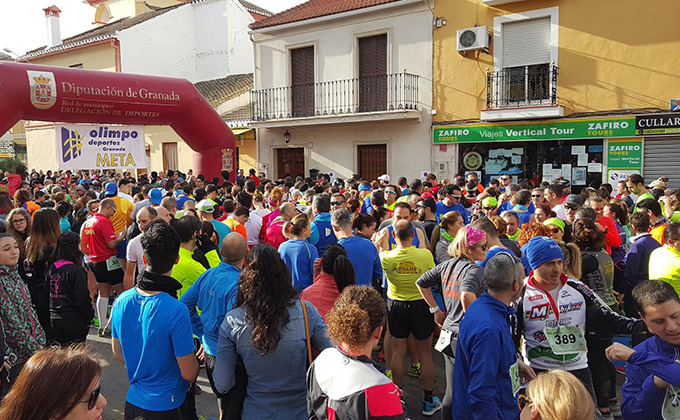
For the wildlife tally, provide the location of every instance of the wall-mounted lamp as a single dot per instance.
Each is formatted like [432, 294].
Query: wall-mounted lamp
[286, 137]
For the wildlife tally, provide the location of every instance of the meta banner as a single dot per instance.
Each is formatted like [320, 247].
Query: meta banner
[100, 146]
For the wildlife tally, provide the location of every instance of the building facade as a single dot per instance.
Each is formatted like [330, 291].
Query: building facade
[541, 89]
[203, 41]
[344, 88]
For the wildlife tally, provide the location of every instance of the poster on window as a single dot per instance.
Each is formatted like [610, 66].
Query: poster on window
[82, 146]
[578, 175]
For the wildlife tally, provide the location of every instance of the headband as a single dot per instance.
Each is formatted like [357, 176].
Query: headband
[364, 187]
[473, 235]
[555, 221]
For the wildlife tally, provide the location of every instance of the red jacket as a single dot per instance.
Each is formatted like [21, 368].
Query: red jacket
[322, 293]
[611, 238]
[13, 183]
[274, 235]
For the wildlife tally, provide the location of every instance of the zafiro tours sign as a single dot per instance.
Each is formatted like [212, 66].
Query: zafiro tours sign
[82, 146]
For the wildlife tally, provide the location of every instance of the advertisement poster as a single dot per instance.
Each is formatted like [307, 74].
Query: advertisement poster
[81, 146]
[624, 154]
[578, 175]
[616, 175]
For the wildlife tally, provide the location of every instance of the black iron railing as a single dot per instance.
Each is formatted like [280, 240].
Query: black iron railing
[387, 92]
[522, 86]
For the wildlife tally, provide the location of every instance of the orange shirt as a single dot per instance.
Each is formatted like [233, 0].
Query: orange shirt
[235, 226]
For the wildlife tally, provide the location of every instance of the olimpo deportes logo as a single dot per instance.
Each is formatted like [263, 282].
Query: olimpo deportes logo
[71, 144]
[43, 89]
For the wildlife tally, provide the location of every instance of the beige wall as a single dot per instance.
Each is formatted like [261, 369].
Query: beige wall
[41, 147]
[96, 57]
[155, 136]
[247, 155]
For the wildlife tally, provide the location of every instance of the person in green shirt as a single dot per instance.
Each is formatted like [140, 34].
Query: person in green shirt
[636, 185]
[187, 270]
[407, 311]
[664, 262]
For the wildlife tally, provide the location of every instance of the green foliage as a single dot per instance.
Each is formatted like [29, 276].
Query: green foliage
[10, 164]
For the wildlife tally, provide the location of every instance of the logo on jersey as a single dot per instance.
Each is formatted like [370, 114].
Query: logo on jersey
[574, 306]
[539, 312]
[535, 297]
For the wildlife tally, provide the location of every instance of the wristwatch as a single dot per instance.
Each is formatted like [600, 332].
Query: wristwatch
[434, 309]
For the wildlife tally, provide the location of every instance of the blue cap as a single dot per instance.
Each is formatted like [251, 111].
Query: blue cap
[363, 187]
[155, 196]
[541, 249]
[180, 179]
[181, 200]
[111, 188]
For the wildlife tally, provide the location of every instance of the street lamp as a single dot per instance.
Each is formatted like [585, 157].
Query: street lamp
[286, 137]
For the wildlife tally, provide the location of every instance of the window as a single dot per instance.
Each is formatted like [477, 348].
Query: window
[170, 160]
[373, 73]
[302, 81]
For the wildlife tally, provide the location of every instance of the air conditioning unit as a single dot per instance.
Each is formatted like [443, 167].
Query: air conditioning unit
[472, 39]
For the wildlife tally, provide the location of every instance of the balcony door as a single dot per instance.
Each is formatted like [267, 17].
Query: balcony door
[373, 73]
[302, 72]
[290, 162]
[526, 76]
[372, 161]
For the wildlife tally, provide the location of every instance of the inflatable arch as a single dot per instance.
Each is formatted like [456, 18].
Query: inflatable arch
[58, 94]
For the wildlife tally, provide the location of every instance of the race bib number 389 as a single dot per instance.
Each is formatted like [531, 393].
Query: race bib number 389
[565, 340]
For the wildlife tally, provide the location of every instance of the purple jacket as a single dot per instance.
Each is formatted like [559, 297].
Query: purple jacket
[637, 261]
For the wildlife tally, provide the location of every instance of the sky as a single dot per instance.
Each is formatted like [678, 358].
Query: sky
[22, 22]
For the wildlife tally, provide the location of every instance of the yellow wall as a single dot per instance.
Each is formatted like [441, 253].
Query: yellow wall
[96, 57]
[612, 55]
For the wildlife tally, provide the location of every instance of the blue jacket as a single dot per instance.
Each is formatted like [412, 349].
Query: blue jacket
[443, 209]
[637, 261]
[364, 257]
[322, 232]
[642, 400]
[482, 388]
[299, 256]
[214, 293]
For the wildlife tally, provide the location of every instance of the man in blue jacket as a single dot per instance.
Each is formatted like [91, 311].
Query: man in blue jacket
[486, 378]
[322, 232]
[652, 388]
[214, 294]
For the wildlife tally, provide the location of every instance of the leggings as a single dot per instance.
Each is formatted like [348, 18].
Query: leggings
[447, 400]
[602, 371]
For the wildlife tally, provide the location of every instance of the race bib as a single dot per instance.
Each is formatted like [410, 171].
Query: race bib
[565, 340]
[444, 340]
[514, 377]
[113, 264]
[670, 410]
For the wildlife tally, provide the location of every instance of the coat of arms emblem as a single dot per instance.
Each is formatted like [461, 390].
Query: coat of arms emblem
[43, 89]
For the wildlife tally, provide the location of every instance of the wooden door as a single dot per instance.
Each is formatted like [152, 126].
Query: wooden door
[373, 73]
[290, 162]
[372, 161]
[302, 78]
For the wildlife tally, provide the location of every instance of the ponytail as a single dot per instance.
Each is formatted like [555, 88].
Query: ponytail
[296, 226]
[336, 263]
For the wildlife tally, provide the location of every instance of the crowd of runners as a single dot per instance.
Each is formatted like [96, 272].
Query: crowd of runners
[313, 298]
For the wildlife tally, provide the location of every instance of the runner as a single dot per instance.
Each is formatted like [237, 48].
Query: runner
[360, 251]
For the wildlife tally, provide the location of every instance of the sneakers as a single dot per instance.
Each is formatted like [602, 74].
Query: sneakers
[95, 323]
[414, 370]
[105, 332]
[429, 408]
[615, 408]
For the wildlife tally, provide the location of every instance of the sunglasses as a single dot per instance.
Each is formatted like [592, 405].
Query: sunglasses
[571, 207]
[556, 230]
[337, 203]
[489, 208]
[457, 197]
[94, 396]
[522, 401]
[536, 195]
[390, 192]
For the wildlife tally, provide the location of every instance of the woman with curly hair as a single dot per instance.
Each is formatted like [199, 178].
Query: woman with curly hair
[267, 329]
[345, 377]
[531, 229]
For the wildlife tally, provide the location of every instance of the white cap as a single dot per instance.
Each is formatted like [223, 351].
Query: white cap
[205, 205]
[384, 177]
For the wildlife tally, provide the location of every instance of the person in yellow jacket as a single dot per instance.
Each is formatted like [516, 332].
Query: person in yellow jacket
[664, 262]
[188, 269]
[121, 219]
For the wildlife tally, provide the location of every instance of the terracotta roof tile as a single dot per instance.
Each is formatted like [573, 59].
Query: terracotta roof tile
[239, 116]
[255, 9]
[316, 8]
[219, 91]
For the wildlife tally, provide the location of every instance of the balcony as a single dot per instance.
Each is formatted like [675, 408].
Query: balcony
[522, 92]
[390, 96]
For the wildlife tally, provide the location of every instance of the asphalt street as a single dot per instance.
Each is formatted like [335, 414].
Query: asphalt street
[115, 385]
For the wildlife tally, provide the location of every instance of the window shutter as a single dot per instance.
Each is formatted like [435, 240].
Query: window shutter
[373, 55]
[302, 65]
[526, 42]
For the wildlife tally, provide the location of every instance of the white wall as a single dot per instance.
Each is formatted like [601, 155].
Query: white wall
[409, 37]
[200, 41]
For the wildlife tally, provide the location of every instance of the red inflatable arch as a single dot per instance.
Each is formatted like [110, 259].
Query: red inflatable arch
[58, 94]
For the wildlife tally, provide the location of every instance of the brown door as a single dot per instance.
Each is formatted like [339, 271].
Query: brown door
[302, 72]
[373, 73]
[372, 161]
[291, 162]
